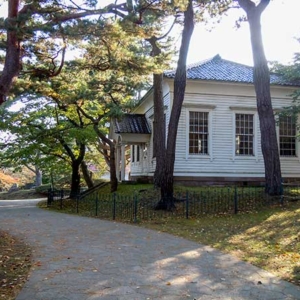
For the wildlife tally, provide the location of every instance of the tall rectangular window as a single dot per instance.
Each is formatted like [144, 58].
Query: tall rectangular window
[244, 134]
[137, 153]
[132, 153]
[198, 132]
[287, 136]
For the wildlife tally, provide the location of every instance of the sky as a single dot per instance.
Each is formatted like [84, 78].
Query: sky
[280, 28]
[280, 25]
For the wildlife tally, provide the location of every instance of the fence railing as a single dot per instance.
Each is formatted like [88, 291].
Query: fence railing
[55, 195]
[188, 204]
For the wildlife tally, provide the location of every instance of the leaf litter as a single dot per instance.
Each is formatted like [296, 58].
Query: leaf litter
[15, 264]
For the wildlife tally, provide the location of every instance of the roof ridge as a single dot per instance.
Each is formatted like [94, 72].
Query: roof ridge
[215, 58]
[197, 64]
[236, 63]
[203, 62]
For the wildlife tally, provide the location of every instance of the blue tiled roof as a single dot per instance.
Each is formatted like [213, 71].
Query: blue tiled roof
[132, 123]
[220, 69]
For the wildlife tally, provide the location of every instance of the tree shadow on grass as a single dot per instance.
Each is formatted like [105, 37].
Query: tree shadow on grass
[272, 244]
[95, 259]
[268, 239]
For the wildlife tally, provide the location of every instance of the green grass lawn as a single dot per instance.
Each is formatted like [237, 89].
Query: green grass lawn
[268, 237]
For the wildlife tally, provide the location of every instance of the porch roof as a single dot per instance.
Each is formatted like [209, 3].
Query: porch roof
[132, 123]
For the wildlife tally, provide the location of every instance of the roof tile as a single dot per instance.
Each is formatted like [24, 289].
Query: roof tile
[220, 69]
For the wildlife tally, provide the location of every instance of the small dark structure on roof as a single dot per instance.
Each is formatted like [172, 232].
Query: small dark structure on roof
[132, 123]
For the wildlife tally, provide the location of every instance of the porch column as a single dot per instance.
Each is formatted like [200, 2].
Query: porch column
[123, 163]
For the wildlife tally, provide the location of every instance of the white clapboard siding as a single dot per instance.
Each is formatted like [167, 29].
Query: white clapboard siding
[222, 101]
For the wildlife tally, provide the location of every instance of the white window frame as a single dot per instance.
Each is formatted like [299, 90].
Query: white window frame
[209, 155]
[245, 111]
[288, 157]
[135, 154]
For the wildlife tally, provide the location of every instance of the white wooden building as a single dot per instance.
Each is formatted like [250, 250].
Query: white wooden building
[218, 138]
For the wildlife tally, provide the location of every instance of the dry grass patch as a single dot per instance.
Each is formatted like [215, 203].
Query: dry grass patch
[269, 239]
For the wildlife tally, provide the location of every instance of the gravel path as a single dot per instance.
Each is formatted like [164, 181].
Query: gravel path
[78, 258]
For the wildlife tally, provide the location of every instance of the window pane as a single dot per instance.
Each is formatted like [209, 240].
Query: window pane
[244, 134]
[137, 153]
[287, 136]
[198, 133]
[132, 153]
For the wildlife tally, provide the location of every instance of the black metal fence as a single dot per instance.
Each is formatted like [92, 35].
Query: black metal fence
[55, 195]
[188, 204]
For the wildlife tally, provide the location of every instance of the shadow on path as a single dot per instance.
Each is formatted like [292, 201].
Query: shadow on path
[81, 258]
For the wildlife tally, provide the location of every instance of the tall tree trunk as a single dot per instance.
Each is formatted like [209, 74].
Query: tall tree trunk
[159, 137]
[75, 164]
[75, 184]
[261, 78]
[75, 179]
[12, 58]
[86, 175]
[38, 176]
[167, 184]
[112, 166]
[112, 158]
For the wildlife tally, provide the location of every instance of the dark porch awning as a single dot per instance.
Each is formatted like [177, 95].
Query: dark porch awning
[132, 123]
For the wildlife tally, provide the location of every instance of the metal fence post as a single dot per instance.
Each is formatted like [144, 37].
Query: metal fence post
[235, 200]
[187, 205]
